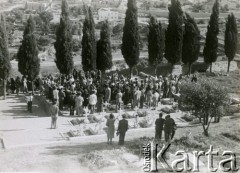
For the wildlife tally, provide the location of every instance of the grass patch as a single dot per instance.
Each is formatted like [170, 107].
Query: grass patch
[96, 160]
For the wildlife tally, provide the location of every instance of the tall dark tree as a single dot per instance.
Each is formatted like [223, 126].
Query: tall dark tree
[63, 44]
[28, 61]
[174, 33]
[211, 44]
[131, 39]
[156, 43]
[231, 38]
[5, 65]
[89, 47]
[191, 42]
[30, 26]
[104, 53]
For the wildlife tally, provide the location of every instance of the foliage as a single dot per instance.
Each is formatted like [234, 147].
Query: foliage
[89, 47]
[174, 33]
[231, 38]
[28, 61]
[191, 42]
[43, 41]
[30, 26]
[5, 65]
[76, 11]
[118, 29]
[10, 28]
[156, 42]
[197, 7]
[76, 45]
[63, 44]
[224, 8]
[45, 17]
[211, 44]
[104, 53]
[131, 39]
[205, 98]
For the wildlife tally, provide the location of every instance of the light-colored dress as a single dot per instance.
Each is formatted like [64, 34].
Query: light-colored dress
[111, 128]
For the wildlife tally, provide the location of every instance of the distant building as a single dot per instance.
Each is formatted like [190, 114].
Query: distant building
[107, 14]
[38, 6]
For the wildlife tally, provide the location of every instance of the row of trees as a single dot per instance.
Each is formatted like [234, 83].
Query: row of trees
[180, 42]
[95, 54]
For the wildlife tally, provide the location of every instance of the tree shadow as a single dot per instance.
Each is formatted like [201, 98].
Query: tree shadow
[20, 110]
[79, 149]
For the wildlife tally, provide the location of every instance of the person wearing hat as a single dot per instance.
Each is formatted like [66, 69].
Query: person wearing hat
[54, 115]
[122, 129]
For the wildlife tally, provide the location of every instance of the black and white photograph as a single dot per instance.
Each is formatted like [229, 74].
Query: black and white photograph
[119, 86]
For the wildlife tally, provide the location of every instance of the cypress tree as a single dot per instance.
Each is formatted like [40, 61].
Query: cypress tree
[211, 44]
[131, 39]
[191, 42]
[5, 65]
[231, 38]
[156, 43]
[104, 53]
[28, 61]
[63, 44]
[174, 33]
[30, 26]
[89, 47]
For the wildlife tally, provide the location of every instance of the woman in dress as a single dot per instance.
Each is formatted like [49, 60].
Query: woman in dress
[111, 128]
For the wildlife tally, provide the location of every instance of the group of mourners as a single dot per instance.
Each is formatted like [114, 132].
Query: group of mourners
[94, 91]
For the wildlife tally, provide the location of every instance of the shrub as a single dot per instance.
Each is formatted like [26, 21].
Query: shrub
[76, 45]
[205, 98]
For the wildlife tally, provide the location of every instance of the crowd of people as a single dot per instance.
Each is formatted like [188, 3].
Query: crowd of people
[95, 91]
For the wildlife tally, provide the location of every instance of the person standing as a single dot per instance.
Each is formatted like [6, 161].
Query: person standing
[155, 99]
[137, 96]
[61, 96]
[72, 103]
[92, 102]
[24, 82]
[29, 102]
[79, 104]
[111, 128]
[107, 96]
[169, 128]
[159, 127]
[100, 103]
[149, 96]
[122, 129]
[118, 100]
[55, 95]
[54, 115]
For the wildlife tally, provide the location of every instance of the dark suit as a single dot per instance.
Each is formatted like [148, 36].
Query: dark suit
[122, 128]
[169, 129]
[159, 127]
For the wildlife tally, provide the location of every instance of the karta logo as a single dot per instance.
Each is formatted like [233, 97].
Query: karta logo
[152, 157]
